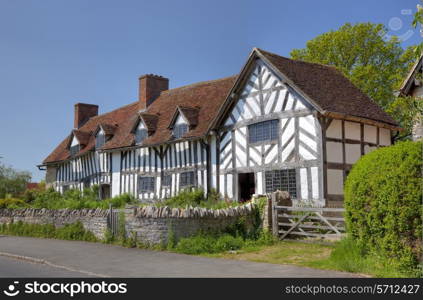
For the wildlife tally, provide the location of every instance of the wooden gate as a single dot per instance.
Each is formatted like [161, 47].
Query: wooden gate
[315, 222]
[113, 221]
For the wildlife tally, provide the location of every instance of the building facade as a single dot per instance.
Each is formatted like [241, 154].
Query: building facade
[279, 124]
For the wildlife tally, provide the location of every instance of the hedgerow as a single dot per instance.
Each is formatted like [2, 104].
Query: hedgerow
[383, 202]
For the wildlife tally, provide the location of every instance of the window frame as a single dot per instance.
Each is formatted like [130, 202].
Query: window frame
[140, 136]
[100, 139]
[167, 180]
[254, 134]
[151, 186]
[74, 150]
[176, 130]
[290, 185]
[183, 181]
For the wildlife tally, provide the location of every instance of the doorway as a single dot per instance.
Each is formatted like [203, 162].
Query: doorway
[104, 191]
[247, 186]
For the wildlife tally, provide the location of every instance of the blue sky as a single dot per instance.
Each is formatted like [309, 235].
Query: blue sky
[54, 53]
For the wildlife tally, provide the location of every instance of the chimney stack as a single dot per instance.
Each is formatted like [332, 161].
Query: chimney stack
[83, 112]
[150, 87]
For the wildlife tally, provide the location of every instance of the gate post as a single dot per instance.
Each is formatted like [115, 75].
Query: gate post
[275, 225]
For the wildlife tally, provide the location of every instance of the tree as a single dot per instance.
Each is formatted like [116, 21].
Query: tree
[375, 65]
[12, 182]
[418, 19]
[407, 111]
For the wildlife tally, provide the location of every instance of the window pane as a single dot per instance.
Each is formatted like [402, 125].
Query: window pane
[283, 180]
[100, 140]
[167, 181]
[186, 179]
[263, 131]
[140, 135]
[180, 130]
[74, 150]
[146, 184]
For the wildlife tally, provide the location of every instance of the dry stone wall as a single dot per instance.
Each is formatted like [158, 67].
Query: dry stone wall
[94, 220]
[152, 225]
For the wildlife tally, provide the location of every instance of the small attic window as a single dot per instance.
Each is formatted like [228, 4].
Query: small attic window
[180, 130]
[100, 139]
[141, 133]
[74, 149]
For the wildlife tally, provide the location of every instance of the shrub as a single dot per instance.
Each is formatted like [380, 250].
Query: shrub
[383, 195]
[12, 203]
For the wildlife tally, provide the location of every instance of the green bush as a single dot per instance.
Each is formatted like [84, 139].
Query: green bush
[12, 203]
[72, 199]
[383, 202]
[199, 244]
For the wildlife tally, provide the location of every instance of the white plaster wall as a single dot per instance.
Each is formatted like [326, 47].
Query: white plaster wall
[352, 153]
[179, 120]
[335, 129]
[213, 162]
[315, 182]
[334, 152]
[230, 188]
[335, 182]
[115, 173]
[304, 183]
[370, 134]
[259, 180]
[384, 137]
[352, 130]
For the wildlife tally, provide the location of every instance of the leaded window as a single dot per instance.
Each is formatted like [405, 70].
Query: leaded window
[167, 180]
[74, 150]
[283, 180]
[186, 179]
[146, 184]
[180, 130]
[140, 135]
[263, 131]
[100, 140]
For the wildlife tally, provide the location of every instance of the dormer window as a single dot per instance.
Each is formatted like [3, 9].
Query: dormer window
[141, 133]
[184, 119]
[74, 147]
[100, 139]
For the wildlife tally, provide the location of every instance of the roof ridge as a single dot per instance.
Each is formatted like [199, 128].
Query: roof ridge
[299, 60]
[198, 83]
[112, 111]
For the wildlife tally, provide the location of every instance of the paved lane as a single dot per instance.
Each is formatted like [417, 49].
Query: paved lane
[116, 261]
[10, 267]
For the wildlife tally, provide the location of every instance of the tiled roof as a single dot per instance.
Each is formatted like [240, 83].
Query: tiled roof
[328, 88]
[207, 96]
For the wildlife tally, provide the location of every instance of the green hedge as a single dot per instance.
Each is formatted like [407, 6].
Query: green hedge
[383, 202]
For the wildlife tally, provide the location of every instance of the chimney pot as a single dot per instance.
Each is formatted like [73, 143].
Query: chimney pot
[150, 87]
[83, 112]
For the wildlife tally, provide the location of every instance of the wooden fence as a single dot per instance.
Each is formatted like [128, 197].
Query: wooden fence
[312, 222]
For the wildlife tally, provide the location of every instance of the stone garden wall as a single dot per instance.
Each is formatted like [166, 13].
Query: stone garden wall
[150, 224]
[94, 220]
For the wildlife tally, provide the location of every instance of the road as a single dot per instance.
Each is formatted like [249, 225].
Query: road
[10, 267]
[95, 259]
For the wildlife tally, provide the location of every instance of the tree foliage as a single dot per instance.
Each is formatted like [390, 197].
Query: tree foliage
[12, 182]
[375, 65]
[418, 20]
[407, 111]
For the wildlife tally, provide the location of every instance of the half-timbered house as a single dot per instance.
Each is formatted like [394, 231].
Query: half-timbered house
[280, 124]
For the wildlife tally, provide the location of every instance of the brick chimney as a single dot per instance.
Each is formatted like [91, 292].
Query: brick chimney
[150, 87]
[83, 112]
